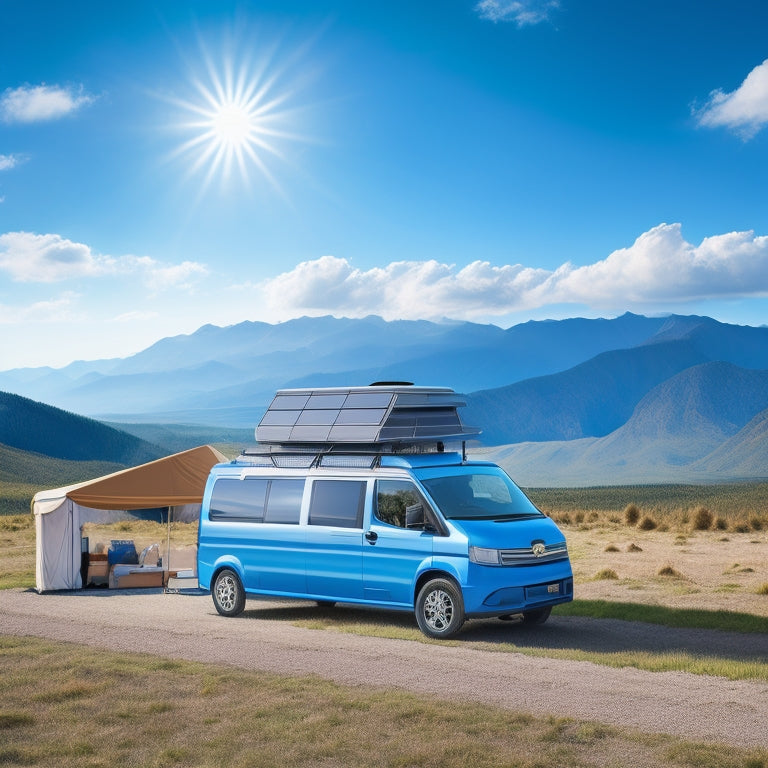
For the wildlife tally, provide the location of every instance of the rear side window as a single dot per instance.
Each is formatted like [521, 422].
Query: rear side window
[338, 503]
[239, 500]
[257, 500]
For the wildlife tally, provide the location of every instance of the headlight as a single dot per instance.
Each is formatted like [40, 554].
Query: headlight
[483, 556]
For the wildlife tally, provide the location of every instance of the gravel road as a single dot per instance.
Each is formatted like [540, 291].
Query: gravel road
[186, 625]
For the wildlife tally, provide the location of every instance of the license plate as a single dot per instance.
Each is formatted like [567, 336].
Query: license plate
[553, 588]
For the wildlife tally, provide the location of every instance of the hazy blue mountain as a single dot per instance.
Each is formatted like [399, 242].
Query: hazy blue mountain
[31, 426]
[589, 400]
[707, 421]
[240, 366]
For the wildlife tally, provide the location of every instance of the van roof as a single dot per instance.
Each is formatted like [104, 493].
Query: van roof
[376, 415]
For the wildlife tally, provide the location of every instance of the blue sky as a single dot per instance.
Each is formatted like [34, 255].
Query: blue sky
[169, 164]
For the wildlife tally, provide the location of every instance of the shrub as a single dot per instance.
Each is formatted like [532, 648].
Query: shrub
[647, 523]
[634, 548]
[702, 519]
[741, 526]
[606, 573]
[721, 524]
[631, 514]
[668, 570]
[612, 548]
[762, 589]
[755, 523]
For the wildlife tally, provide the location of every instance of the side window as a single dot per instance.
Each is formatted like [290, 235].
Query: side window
[338, 503]
[238, 500]
[399, 503]
[284, 501]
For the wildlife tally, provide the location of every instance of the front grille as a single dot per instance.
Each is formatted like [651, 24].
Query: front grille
[525, 556]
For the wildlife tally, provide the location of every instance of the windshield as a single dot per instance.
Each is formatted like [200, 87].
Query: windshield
[479, 496]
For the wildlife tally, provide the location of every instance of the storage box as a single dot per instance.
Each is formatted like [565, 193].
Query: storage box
[98, 569]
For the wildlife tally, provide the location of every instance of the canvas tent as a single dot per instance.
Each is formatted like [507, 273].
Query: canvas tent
[174, 482]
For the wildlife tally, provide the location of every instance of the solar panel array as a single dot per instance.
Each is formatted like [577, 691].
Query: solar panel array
[363, 416]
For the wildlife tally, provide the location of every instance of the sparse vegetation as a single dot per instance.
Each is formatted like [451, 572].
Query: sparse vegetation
[631, 514]
[647, 523]
[669, 571]
[612, 548]
[702, 519]
[606, 573]
[762, 589]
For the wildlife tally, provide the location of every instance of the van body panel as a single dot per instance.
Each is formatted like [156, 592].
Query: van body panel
[334, 563]
[393, 562]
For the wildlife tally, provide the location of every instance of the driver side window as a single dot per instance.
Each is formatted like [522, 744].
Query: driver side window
[399, 503]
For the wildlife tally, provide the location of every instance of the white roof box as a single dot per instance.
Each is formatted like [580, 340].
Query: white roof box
[386, 413]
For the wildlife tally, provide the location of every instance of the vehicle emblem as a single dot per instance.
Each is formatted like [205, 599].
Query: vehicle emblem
[538, 549]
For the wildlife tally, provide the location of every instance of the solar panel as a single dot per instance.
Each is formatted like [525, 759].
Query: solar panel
[374, 415]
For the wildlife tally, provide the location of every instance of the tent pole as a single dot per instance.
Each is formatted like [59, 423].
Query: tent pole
[168, 547]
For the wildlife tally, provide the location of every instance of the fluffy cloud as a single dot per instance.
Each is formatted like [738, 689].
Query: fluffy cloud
[31, 104]
[32, 258]
[659, 267]
[521, 12]
[744, 111]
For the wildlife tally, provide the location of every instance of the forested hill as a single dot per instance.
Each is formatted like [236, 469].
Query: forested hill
[32, 426]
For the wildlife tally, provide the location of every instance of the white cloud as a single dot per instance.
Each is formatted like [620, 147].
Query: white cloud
[10, 161]
[32, 258]
[521, 12]
[31, 104]
[744, 111]
[659, 267]
[182, 276]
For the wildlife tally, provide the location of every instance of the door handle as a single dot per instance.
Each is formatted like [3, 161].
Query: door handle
[371, 536]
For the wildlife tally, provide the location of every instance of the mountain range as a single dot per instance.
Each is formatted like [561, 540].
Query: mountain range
[570, 402]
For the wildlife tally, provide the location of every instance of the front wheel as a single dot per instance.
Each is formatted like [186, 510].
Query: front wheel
[439, 608]
[538, 616]
[228, 593]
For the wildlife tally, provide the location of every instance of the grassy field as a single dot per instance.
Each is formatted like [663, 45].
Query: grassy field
[69, 705]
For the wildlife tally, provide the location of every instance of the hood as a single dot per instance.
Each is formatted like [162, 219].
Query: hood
[509, 534]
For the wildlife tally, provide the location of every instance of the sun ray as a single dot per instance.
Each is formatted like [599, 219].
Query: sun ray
[239, 113]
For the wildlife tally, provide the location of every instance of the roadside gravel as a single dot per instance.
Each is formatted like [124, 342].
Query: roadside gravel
[186, 625]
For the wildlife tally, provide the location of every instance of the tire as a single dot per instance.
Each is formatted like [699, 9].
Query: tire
[228, 593]
[538, 616]
[439, 608]
[325, 603]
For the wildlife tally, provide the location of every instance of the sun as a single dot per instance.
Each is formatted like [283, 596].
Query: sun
[238, 117]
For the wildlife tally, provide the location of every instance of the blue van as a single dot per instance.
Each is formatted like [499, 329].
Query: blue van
[352, 497]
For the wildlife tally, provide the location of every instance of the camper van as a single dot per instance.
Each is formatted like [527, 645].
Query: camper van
[354, 495]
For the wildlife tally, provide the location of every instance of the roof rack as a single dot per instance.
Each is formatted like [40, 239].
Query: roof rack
[383, 417]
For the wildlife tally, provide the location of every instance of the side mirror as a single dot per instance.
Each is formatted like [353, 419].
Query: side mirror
[414, 516]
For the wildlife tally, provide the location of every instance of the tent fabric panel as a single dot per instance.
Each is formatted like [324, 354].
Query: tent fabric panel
[57, 549]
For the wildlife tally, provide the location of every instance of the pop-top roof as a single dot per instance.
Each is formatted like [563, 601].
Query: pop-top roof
[379, 414]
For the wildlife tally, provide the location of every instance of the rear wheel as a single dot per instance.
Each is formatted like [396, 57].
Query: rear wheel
[228, 593]
[439, 608]
[538, 616]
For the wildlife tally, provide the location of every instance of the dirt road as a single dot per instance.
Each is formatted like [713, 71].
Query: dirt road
[264, 638]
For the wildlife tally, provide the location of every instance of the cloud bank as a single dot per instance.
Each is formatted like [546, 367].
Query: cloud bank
[38, 103]
[659, 267]
[522, 12]
[50, 258]
[744, 111]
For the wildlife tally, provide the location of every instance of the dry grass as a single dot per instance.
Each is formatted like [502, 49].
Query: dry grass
[95, 709]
